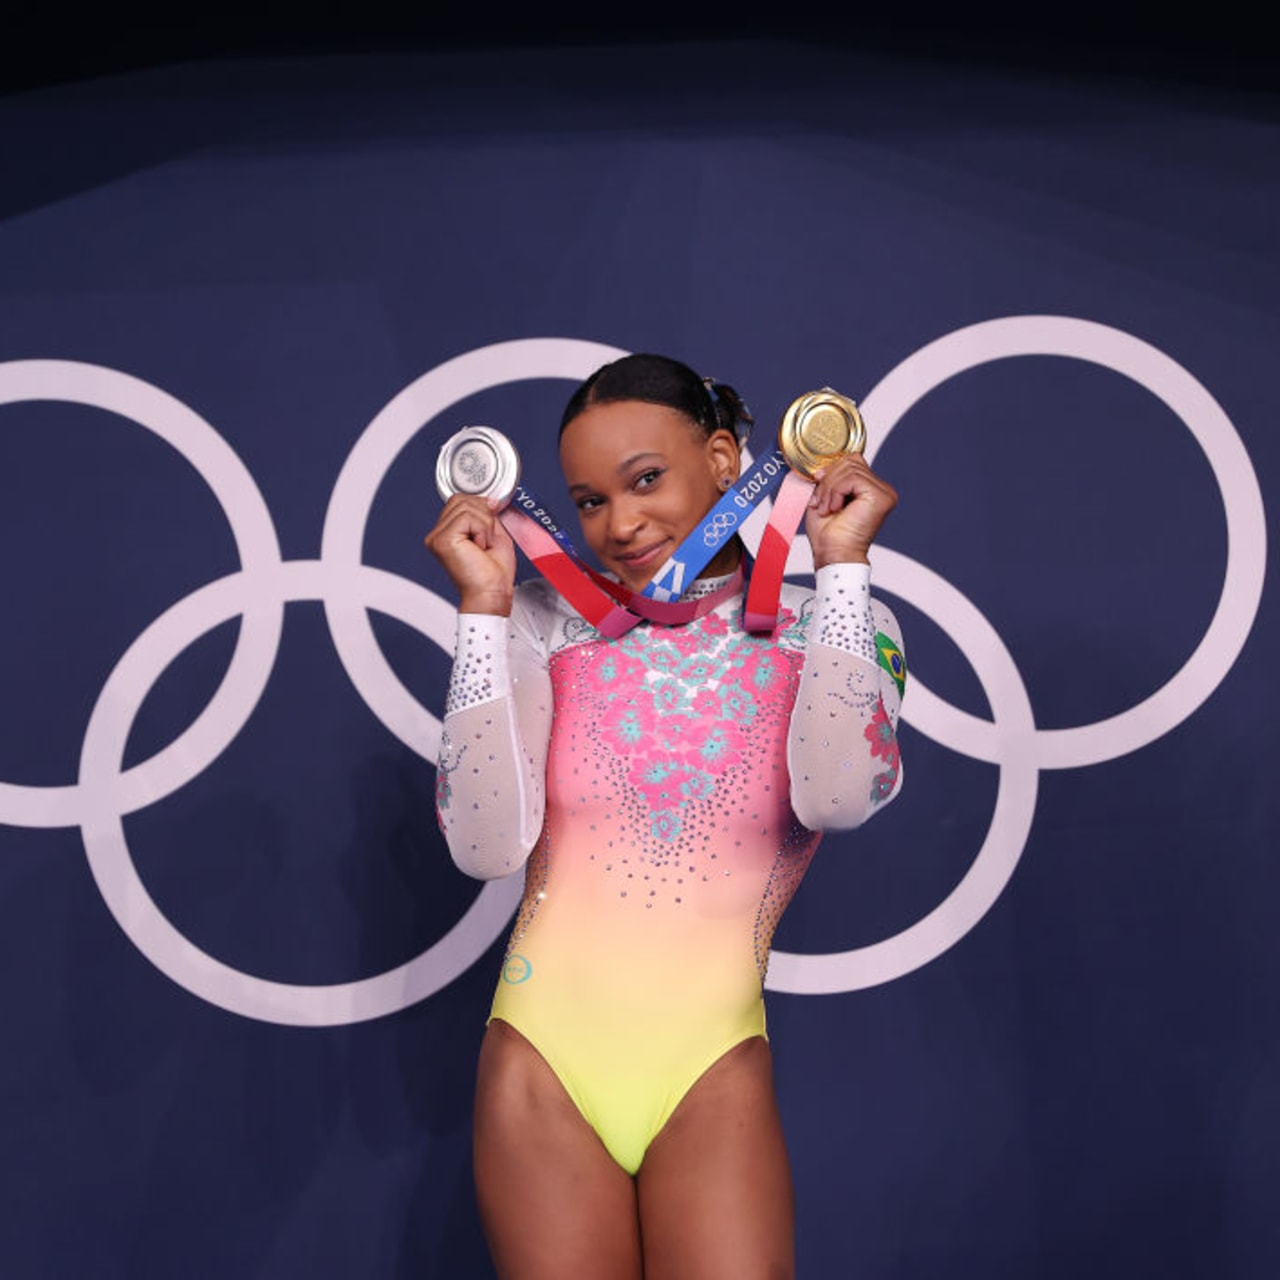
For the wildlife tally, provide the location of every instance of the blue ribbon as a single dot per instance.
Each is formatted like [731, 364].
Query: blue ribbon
[720, 524]
[693, 555]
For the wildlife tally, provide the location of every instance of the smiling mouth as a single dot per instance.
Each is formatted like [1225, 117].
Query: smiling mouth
[643, 559]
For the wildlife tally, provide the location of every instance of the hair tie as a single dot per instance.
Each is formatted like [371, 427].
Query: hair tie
[716, 399]
[740, 417]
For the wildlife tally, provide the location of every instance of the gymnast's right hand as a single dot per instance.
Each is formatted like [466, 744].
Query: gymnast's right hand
[477, 553]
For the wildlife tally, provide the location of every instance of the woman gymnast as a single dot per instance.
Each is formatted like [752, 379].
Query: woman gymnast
[664, 793]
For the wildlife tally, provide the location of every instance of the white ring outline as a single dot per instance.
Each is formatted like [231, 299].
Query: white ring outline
[713, 530]
[345, 590]
[1190, 401]
[370, 459]
[127, 898]
[816, 973]
[1033, 748]
[348, 590]
[98, 387]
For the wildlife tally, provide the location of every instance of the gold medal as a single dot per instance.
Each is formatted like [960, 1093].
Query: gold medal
[819, 428]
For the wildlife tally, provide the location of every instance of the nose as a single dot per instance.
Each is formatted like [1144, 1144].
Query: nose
[625, 519]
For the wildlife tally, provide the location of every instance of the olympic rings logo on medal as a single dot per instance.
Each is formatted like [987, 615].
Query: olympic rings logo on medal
[473, 465]
[257, 593]
[714, 530]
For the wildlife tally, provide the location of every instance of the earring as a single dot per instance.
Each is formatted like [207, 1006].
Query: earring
[724, 483]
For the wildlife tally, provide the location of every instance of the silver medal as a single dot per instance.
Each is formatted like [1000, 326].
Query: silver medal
[481, 461]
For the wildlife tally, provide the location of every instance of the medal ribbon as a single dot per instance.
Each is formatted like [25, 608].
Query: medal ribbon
[760, 613]
[614, 609]
[609, 606]
[716, 528]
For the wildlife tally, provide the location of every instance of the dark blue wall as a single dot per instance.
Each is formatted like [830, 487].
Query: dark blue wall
[242, 984]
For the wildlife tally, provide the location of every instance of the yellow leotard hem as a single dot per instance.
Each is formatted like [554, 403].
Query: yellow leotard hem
[628, 1110]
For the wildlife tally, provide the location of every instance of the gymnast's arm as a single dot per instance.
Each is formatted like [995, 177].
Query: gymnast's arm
[491, 773]
[842, 750]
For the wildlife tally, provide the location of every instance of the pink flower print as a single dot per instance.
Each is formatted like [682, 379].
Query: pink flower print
[672, 783]
[696, 784]
[699, 668]
[659, 783]
[615, 671]
[879, 733]
[706, 705]
[712, 625]
[882, 786]
[640, 643]
[665, 825]
[764, 672]
[745, 651]
[676, 732]
[721, 746]
[688, 640]
[669, 695]
[737, 703]
[625, 725]
[884, 746]
[664, 657]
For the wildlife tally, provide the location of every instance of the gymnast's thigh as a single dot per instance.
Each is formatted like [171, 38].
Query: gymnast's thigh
[553, 1202]
[715, 1194]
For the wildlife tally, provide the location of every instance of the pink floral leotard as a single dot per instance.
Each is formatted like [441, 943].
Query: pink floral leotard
[665, 793]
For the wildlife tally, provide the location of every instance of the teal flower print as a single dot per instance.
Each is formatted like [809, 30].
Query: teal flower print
[737, 703]
[763, 676]
[669, 695]
[663, 657]
[700, 668]
[697, 785]
[720, 747]
[665, 825]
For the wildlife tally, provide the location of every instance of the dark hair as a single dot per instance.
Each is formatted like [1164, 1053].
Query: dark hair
[660, 380]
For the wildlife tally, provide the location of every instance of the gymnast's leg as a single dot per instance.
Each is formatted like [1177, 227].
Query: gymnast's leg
[715, 1194]
[554, 1204]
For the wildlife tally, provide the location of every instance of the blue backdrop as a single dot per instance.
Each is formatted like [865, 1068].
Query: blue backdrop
[1025, 1022]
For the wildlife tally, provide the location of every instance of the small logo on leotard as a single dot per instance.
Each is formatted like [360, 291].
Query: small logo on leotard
[890, 658]
[516, 970]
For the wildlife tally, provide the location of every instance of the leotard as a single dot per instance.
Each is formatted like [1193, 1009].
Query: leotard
[665, 793]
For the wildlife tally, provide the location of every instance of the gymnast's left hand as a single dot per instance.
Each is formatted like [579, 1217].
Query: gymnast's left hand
[849, 504]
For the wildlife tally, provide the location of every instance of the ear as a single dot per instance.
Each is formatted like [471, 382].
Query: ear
[724, 456]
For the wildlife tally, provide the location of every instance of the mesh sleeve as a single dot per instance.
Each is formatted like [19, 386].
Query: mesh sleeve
[843, 747]
[491, 773]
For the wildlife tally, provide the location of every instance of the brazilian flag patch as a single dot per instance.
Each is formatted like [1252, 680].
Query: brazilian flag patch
[889, 656]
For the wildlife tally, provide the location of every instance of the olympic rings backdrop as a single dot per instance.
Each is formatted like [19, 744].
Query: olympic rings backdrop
[1025, 1021]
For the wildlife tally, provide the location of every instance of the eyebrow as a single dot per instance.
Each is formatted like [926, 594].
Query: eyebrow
[623, 467]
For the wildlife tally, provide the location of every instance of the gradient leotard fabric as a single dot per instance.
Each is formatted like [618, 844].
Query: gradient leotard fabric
[665, 792]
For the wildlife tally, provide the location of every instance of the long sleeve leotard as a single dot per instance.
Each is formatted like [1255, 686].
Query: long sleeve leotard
[665, 793]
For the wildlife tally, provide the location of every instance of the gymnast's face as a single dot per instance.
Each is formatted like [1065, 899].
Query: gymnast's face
[642, 476]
